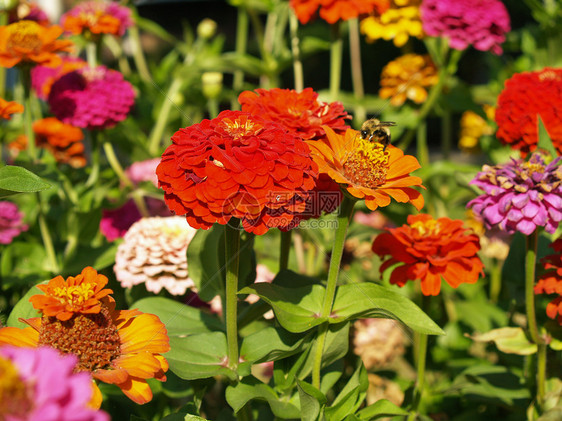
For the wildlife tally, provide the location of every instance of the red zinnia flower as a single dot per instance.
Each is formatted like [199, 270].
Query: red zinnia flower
[237, 165]
[525, 96]
[551, 281]
[429, 250]
[333, 10]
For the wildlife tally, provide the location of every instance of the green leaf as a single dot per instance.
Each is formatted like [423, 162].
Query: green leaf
[97, 257]
[544, 139]
[381, 408]
[296, 309]
[23, 309]
[491, 383]
[250, 388]
[312, 401]
[180, 319]
[351, 396]
[19, 180]
[270, 344]
[511, 340]
[199, 356]
[23, 264]
[365, 300]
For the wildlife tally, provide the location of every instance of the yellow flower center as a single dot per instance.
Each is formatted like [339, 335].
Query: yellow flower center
[426, 228]
[533, 168]
[240, 127]
[93, 338]
[74, 296]
[24, 35]
[367, 165]
[14, 398]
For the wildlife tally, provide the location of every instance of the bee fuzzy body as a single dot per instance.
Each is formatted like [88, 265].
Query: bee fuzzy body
[375, 130]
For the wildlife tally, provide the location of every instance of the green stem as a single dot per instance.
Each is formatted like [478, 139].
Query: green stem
[335, 61]
[46, 235]
[242, 28]
[356, 71]
[212, 107]
[158, 130]
[232, 249]
[286, 237]
[295, 48]
[421, 143]
[91, 54]
[299, 252]
[530, 262]
[495, 280]
[344, 217]
[3, 21]
[27, 113]
[138, 55]
[420, 346]
[446, 133]
[95, 173]
[117, 51]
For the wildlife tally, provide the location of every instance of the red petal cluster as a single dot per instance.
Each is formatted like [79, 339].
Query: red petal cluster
[551, 281]
[430, 249]
[237, 165]
[525, 96]
[333, 10]
[300, 112]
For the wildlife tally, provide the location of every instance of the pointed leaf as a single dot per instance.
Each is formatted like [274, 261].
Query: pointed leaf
[511, 340]
[381, 408]
[270, 344]
[24, 309]
[351, 396]
[199, 356]
[366, 299]
[312, 401]
[19, 180]
[544, 139]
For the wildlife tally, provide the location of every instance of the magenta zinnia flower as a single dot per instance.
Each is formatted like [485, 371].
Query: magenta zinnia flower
[481, 23]
[11, 224]
[92, 98]
[520, 195]
[40, 384]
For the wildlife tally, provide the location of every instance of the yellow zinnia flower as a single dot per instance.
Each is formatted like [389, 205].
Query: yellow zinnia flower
[408, 77]
[79, 317]
[473, 127]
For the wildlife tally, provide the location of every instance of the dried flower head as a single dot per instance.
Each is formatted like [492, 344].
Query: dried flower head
[398, 23]
[520, 195]
[27, 42]
[237, 165]
[334, 10]
[378, 341]
[40, 384]
[79, 317]
[480, 23]
[97, 17]
[7, 108]
[11, 222]
[366, 170]
[550, 282]
[430, 249]
[526, 96]
[92, 98]
[153, 253]
[408, 77]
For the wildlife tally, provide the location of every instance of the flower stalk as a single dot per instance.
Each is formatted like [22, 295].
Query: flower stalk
[356, 71]
[232, 255]
[344, 217]
[335, 61]
[286, 237]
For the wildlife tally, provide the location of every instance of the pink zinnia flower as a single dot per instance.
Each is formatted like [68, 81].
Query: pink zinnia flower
[520, 196]
[143, 171]
[116, 222]
[40, 384]
[11, 224]
[92, 98]
[481, 23]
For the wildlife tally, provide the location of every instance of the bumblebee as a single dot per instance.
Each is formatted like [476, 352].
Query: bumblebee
[375, 130]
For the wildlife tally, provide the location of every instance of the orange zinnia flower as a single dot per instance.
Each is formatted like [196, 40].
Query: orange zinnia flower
[551, 281]
[116, 347]
[7, 108]
[367, 170]
[28, 42]
[334, 10]
[428, 250]
[97, 17]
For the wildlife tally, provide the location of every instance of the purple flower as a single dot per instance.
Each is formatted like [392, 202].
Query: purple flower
[91, 98]
[481, 23]
[10, 222]
[520, 195]
[40, 384]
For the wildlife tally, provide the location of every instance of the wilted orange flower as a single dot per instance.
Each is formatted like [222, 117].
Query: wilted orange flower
[401, 21]
[237, 165]
[408, 77]
[62, 140]
[7, 108]
[430, 249]
[551, 281]
[116, 347]
[28, 42]
[333, 10]
[366, 170]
